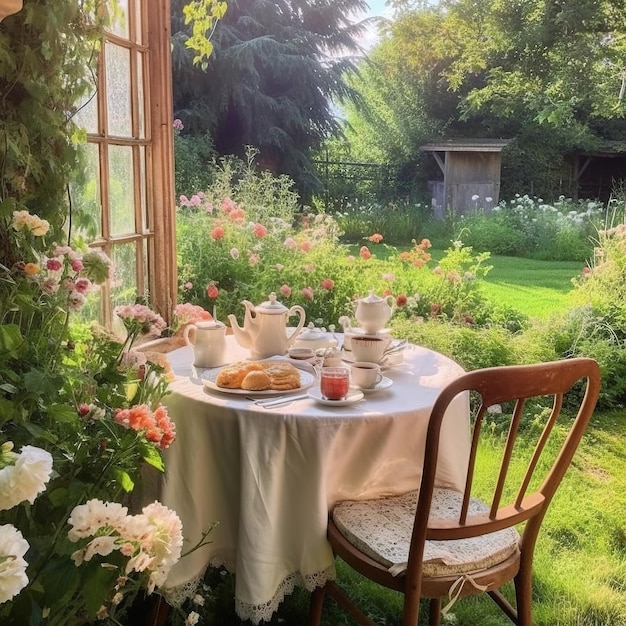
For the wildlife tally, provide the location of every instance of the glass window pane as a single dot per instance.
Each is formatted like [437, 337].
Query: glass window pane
[120, 25]
[87, 113]
[124, 284]
[119, 109]
[85, 191]
[141, 100]
[121, 190]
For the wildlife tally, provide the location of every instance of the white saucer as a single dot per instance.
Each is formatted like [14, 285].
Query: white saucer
[354, 395]
[384, 383]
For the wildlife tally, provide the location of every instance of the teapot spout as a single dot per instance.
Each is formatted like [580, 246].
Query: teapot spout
[241, 336]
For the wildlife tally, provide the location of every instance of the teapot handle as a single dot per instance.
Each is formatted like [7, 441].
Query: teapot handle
[292, 311]
[392, 304]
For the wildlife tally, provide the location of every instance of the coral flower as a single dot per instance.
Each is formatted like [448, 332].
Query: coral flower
[401, 300]
[375, 238]
[285, 290]
[30, 269]
[217, 233]
[365, 253]
[259, 230]
[586, 271]
[305, 246]
[237, 215]
[328, 283]
[307, 292]
[212, 291]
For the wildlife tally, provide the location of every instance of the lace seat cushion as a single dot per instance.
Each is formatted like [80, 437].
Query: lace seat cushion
[382, 529]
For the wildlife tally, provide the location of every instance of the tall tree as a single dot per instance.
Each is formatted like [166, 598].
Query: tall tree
[275, 70]
[528, 69]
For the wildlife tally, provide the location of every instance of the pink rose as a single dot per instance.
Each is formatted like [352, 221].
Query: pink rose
[307, 292]
[290, 243]
[54, 265]
[212, 291]
[364, 253]
[328, 284]
[305, 246]
[285, 290]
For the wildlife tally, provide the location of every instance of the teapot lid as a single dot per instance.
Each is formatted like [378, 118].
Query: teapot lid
[372, 298]
[272, 306]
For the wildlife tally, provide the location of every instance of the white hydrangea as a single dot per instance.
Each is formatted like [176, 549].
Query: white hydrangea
[13, 577]
[26, 478]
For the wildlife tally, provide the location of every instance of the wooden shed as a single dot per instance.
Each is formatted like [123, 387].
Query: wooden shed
[470, 168]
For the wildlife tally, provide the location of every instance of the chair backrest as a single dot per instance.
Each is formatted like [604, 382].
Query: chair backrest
[511, 386]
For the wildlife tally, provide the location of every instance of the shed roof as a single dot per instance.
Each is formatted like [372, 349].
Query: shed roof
[467, 145]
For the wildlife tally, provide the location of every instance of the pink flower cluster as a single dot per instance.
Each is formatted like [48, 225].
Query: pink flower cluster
[64, 266]
[140, 318]
[190, 314]
[151, 541]
[196, 201]
[157, 427]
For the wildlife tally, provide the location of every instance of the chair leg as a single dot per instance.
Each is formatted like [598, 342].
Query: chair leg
[316, 605]
[524, 596]
[434, 612]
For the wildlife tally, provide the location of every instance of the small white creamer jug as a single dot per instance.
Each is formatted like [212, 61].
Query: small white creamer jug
[208, 342]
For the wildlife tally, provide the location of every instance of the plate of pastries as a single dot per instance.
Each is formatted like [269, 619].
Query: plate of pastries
[268, 377]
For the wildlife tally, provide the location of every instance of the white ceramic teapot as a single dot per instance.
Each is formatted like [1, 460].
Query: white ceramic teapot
[373, 312]
[208, 342]
[265, 327]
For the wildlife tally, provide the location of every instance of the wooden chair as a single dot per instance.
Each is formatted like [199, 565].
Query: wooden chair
[436, 542]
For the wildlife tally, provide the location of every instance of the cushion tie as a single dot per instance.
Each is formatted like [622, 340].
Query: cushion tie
[457, 587]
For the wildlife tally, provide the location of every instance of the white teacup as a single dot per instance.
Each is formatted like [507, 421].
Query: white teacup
[370, 348]
[365, 375]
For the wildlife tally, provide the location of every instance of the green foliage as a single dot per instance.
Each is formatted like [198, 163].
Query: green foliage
[398, 222]
[194, 156]
[45, 50]
[203, 16]
[531, 228]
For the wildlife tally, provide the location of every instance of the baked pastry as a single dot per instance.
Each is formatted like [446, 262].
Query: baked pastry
[256, 381]
[275, 375]
[232, 376]
[283, 376]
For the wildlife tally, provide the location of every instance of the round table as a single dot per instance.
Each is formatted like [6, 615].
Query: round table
[270, 476]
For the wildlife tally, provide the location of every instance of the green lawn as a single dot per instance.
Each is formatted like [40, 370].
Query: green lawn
[536, 288]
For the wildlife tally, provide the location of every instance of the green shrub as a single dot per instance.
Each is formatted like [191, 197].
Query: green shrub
[529, 227]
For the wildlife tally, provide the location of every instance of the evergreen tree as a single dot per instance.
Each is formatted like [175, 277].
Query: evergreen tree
[276, 68]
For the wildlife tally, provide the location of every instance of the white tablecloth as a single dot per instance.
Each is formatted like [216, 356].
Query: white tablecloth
[269, 476]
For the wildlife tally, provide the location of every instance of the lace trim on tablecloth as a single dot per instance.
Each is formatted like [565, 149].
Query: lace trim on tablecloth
[257, 613]
[176, 596]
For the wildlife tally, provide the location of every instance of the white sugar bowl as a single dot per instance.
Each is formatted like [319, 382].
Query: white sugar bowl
[315, 338]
